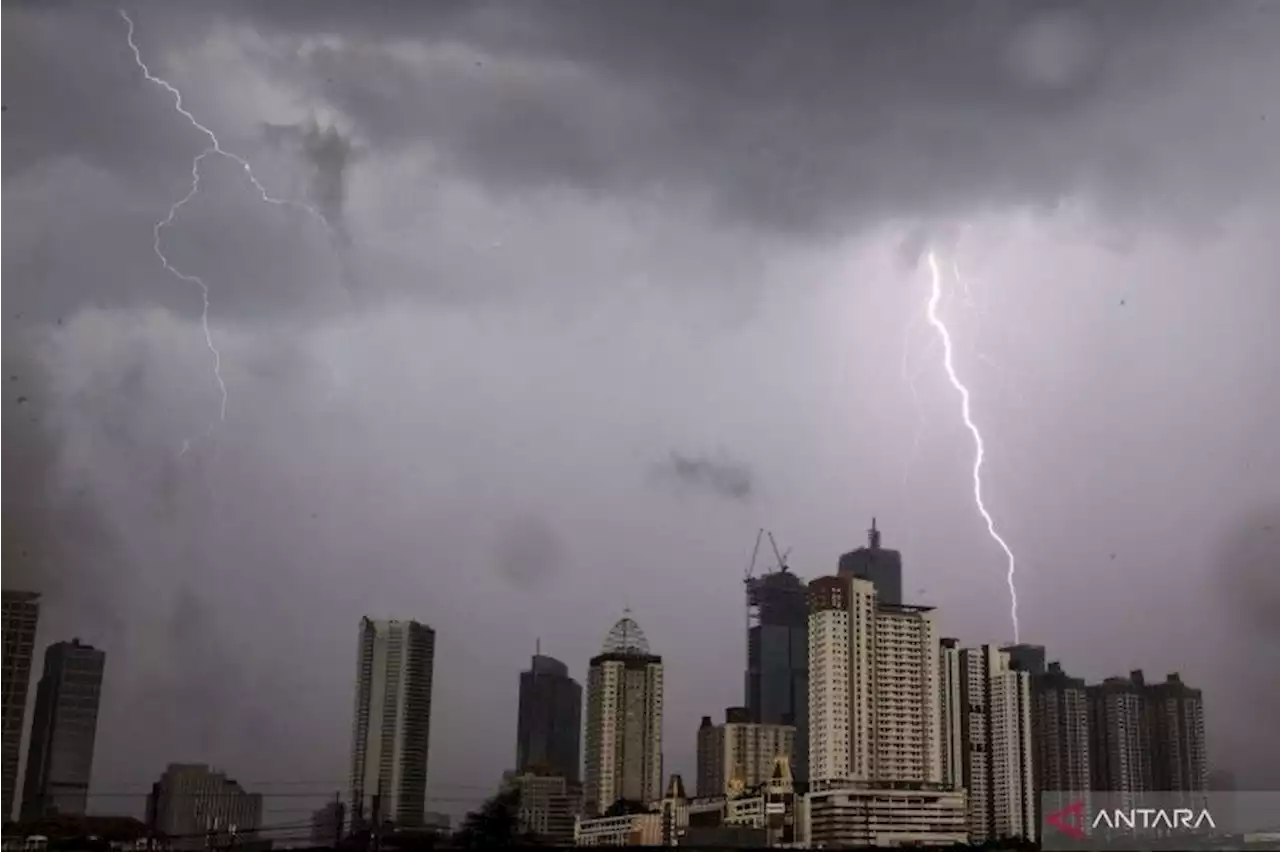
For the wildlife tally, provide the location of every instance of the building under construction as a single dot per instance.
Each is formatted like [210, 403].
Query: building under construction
[777, 678]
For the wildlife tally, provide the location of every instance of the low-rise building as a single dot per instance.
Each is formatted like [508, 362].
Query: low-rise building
[888, 814]
[549, 806]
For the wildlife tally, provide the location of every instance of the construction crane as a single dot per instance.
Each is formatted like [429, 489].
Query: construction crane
[755, 553]
[781, 557]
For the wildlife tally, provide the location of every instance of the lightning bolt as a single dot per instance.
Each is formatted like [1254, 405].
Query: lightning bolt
[214, 148]
[931, 311]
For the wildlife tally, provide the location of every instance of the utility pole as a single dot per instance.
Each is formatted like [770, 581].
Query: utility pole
[339, 816]
[377, 818]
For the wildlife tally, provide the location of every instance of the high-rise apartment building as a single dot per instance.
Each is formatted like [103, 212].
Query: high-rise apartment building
[881, 565]
[1173, 715]
[624, 721]
[391, 731]
[874, 694]
[549, 728]
[63, 730]
[21, 614]
[1060, 730]
[988, 740]
[1118, 758]
[740, 754]
[200, 808]
[777, 680]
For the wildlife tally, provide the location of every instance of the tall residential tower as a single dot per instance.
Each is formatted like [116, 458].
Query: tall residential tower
[21, 613]
[392, 727]
[874, 696]
[63, 730]
[624, 721]
[987, 706]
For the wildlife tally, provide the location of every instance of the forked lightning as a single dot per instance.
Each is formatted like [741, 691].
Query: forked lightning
[214, 147]
[948, 363]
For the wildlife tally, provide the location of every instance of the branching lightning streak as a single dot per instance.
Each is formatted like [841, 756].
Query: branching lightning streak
[215, 147]
[931, 311]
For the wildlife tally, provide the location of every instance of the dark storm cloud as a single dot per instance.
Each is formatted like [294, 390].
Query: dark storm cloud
[55, 539]
[329, 154]
[721, 477]
[529, 553]
[825, 113]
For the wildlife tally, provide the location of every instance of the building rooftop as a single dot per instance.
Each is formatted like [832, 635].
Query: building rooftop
[626, 638]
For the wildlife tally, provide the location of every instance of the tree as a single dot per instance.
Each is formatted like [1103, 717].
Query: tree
[495, 824]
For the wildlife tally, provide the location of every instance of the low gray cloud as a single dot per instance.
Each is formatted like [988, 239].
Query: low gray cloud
[529, 553]
[718, 476]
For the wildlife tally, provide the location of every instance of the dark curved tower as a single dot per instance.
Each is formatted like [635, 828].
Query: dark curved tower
[880, 565]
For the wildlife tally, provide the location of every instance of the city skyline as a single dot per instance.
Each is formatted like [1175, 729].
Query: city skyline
[895, 709]
[1027, 659]
[600, 291]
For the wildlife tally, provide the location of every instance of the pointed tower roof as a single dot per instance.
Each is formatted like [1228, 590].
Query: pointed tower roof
[626, 637]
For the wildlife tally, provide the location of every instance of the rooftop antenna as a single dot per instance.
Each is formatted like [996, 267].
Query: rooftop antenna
[873, 536]
[537, 647]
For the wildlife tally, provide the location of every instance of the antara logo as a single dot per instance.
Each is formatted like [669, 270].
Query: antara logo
[1181, 818]
[1071, 820]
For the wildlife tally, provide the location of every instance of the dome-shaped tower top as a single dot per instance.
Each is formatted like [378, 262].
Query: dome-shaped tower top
[626, 637]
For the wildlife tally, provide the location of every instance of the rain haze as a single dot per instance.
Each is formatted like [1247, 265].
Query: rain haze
[578, 296]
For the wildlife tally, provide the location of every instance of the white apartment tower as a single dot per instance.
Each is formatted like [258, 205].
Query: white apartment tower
[874, 696]
[391, 730]
[989, 745]
[624, 721]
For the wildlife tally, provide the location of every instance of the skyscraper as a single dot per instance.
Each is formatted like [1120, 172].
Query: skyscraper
[392, 726]
[882, 566]
[1060, 729]
[21, 613]
[63, 730]
[549, 728]
[1118, 759]
[874, 696]
[1173, 714]
[624, 721]
[991, 735]
[777, 679]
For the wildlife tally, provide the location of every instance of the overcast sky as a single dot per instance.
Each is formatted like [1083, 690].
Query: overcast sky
[604, 288]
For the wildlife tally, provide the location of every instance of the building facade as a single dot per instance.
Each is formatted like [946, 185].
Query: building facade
[549, 806]
[1173, 715]
[1118, 758]
[197, 807]
[21, 615]
[874, 689]
[777, 678]
[1060, 730]
[990, 744]
[64, 729]
[884, 816]
[391, 730]
[624, 721]
[740, 754]
[549, 727]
